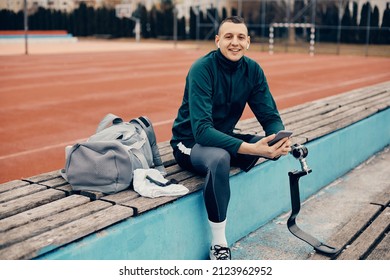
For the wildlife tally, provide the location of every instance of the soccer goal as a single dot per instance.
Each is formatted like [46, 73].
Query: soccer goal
[291, 25]
[126, 11]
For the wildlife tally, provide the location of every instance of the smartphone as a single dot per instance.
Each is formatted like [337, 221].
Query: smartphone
[280, 135]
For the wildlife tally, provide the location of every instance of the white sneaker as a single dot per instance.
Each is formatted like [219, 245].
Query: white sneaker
[218, 252]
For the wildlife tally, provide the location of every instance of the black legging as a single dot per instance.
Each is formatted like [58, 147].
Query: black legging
[214, 163]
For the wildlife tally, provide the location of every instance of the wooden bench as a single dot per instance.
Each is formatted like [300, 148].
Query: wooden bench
[42, 213]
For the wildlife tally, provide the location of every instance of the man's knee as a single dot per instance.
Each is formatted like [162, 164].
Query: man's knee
[210, 158]
[220, 160]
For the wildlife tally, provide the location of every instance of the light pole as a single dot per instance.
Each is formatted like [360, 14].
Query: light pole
[175, 26]
[25, 26]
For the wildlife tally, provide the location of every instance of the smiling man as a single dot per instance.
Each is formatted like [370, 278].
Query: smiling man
[218, 86]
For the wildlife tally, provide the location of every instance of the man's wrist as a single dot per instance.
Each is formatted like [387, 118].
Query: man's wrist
[246, 148]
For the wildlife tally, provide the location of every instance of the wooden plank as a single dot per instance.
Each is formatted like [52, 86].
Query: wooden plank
[44, 177]
[12, 185]
[165, 148]
[344, 97]
[362, 244]
[173, 169]
[20, 192]
[305, 112]
[194, 183]
[93, 195]
[338, 118]
[320, 122]
[121, 197]
[351, 229]
[21, 204]
[382, 250]
[59, 183]
[168, 159]
[143, 204]
[52, 239]
[67, 189]
[181, 176]
[50, 222]
[341, 123]
[54, 182]
[353, 94]
[42, 211]
[163, 145]
[316, 109]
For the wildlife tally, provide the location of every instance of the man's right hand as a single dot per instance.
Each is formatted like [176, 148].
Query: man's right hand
[261, 148]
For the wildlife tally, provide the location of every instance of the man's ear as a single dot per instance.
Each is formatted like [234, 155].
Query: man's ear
[217, 41]
[249, 42]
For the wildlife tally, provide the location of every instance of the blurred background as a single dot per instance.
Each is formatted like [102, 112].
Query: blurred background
[358, 27]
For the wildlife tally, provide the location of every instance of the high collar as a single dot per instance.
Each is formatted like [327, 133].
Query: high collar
[228, 64]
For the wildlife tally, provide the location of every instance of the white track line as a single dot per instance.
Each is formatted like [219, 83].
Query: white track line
[41, 149]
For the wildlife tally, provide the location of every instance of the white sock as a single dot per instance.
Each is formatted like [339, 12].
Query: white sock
[218, 236]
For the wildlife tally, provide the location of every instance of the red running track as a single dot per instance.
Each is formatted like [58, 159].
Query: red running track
[53, 100]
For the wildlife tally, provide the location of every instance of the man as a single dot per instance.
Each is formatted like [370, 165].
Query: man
[218, 86]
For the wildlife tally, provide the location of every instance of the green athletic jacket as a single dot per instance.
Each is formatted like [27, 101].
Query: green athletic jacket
[215, 96]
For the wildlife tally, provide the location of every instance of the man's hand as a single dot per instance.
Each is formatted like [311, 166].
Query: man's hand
[261, 148]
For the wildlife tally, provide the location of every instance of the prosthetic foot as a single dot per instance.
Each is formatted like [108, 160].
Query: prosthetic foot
[300, 152]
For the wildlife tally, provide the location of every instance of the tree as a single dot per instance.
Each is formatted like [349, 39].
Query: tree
[346, 21]
[364, 24]
[91, 21]
[234, 11]
[38, 20]
[143, 16]
[192, 24]
[103, 21]
[166, 18]
[152, 22]
[384, 35]
[181, 28]
[354, 23]
[374, 24]
[331, 21]
[224, 13]
[80, 17]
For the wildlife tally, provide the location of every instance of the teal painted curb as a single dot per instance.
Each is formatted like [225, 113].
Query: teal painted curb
[179, 229]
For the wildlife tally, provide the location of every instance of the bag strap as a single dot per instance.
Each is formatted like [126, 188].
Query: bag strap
[107, 121]
[147, 127]
[137, 153]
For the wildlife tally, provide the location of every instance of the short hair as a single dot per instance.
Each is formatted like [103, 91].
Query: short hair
[233, 19]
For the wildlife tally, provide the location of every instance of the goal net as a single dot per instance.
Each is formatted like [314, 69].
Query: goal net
[291, 25]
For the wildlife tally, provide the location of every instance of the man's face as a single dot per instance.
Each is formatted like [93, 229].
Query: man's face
[233, 40]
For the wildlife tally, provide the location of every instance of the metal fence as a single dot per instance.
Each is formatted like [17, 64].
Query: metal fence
[340, 26]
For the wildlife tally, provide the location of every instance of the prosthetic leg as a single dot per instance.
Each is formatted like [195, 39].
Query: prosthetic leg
[300, 152]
